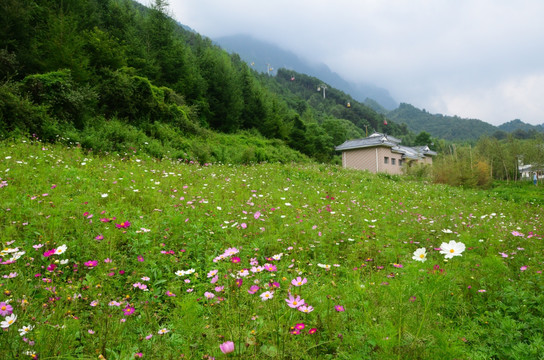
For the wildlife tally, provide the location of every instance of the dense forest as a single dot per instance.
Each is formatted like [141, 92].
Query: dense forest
[113, 75]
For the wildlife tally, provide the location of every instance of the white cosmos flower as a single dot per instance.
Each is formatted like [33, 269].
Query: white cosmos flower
[8, 320]
[451, 249]
[25, 329]
[420, 255]
[61, 249]
[267, 295]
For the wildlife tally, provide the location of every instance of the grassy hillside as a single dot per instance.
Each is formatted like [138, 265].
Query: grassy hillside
[125, 256]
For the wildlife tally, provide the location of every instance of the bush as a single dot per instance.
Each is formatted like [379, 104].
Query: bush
[64, 99]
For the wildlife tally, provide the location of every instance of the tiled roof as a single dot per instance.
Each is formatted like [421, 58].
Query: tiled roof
[375, 139]
[378, 139]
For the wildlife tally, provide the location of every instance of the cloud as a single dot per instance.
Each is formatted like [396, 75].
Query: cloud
[446, 56]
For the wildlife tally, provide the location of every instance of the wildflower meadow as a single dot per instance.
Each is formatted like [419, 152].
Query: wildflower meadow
[123, 256]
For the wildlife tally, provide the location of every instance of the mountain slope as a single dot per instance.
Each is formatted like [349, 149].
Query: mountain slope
[517, 124]
[440, 126]
[267, 57]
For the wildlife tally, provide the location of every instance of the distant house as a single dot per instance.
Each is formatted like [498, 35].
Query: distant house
[382, 153]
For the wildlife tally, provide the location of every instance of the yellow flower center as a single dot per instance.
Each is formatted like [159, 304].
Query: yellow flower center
[421, 256]
[4, 308]
[294, 302]
[452, 251]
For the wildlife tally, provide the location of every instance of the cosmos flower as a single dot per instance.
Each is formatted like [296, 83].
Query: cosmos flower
[5, 309]
[25, 329]
[227, 347]
[267, 295]
[8, 321]
[129, 310]
[61, 249]
[306, 308]
[451, 249]
[123, 225]
[420, 255]
[293, 302]
[299, 281]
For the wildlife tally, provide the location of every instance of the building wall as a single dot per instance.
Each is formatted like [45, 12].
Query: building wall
[428, 160]
[365, 159]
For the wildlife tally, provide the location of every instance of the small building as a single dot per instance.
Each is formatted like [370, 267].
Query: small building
[382, 153]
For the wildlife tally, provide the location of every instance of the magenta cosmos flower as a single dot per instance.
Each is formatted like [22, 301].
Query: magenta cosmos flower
[227, 347]
[129, 310]
[339, 308]
[123, 225]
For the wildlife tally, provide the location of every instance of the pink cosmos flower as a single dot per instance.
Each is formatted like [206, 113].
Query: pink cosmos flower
[99, 237]
[169, 293]
[129, 310]
[306, 308]
[293, 302]
[227, 347]
[123, 225]
[270, 267]
[140, 258]
[312, 331]
[51, 267]
[49, 252]
[253, 289]
[5, 309]
[209, 295]
[257, 215]
[300, 326]
[299, 281]
[339, 308]
[523, 268]
[91, 263]
[243, 225]
[235, 259]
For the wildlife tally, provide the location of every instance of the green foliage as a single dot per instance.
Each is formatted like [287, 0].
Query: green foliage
[65, 99]
[20, 116]
[440, 126]
[462, 168]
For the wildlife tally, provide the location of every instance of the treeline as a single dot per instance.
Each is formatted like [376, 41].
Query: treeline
[488, 160]
[95, 71]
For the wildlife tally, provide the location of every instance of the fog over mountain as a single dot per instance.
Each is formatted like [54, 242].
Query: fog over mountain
[267, 57]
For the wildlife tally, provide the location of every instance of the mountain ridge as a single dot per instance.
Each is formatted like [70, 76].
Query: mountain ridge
[263, 56]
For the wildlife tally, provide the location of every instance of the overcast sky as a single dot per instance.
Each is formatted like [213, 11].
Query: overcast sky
[472, 58]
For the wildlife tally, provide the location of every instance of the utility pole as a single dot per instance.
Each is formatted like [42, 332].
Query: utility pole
[324, 87]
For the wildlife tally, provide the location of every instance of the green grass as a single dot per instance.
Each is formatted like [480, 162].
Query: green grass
[485, 304]
[523, 191]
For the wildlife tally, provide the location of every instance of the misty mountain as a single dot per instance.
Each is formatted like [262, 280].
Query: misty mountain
[268, 58]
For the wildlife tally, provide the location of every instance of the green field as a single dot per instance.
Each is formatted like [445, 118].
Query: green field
[125, 256]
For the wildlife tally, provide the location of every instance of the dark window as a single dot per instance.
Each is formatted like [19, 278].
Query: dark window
[393, 161]
[400, 162]
[386, 160]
